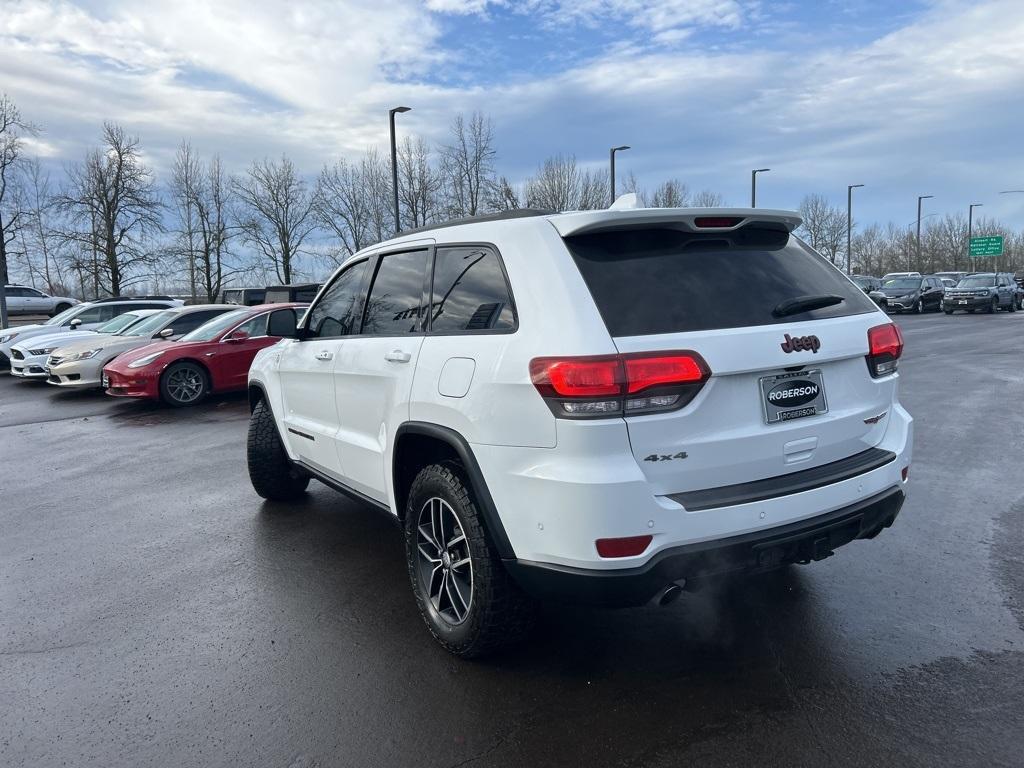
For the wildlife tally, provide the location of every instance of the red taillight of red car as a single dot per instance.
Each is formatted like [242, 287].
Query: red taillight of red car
[628, 546]
[618, 385]
[885, 346]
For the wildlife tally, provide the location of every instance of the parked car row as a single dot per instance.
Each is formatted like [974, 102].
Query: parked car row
[148, 348]
[944, 291]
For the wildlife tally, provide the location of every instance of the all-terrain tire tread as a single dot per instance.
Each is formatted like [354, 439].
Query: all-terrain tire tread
[508, 614]
[270, 472]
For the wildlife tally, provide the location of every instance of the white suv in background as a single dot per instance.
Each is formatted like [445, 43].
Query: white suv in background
[581, 406]
[22, 300]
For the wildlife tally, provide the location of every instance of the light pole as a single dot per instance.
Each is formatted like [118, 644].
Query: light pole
[753, 185]
[394, 161]
[849, 225]
[611, 162]
[970, 225]
[918, 246]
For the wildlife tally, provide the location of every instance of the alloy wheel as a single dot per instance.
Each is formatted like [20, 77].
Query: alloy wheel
[185, 385]
[444, 561]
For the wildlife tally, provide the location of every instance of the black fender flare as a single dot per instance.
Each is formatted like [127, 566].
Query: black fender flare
[476, 478]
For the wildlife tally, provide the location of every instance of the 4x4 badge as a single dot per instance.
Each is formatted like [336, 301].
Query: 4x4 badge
[801, 344]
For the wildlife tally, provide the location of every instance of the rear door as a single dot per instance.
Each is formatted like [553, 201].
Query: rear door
[374, 372]
[17, 302]
[662, 290]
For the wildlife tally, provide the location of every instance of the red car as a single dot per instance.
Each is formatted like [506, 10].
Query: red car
[215, 357]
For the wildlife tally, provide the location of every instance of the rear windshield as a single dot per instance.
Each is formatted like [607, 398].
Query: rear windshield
[651, 281]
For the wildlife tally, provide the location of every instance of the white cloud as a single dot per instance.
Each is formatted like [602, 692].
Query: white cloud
[933, 103]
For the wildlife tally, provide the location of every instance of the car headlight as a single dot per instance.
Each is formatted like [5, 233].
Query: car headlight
[8, 337]
[144, 361]
[43, 351]
[83, 355]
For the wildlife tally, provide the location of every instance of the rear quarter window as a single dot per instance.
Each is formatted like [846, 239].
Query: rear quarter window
[651, 281]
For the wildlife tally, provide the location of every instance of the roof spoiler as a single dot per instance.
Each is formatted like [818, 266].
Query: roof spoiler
[688, 219]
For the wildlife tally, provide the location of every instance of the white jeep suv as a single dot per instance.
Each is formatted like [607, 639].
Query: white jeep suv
[600, 406]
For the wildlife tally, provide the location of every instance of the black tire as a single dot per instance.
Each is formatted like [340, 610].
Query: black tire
[498, 614]
[919, 307]
[184, 383]
[948, 311]
[272, 476]
[1013, 305]
[60, 308]
[993, 307]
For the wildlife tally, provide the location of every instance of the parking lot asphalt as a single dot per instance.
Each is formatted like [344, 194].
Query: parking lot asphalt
[154, 611]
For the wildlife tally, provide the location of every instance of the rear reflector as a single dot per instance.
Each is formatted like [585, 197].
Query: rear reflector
[624, 547]
[885, 346]
[582, 387]
[716, 222]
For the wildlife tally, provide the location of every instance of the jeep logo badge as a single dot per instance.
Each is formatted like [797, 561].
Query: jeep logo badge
[801, 344]
[793, 393]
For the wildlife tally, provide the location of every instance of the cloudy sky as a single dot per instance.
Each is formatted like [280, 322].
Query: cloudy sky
[906, 96]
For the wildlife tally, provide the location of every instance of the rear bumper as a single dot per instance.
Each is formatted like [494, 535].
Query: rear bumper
[810, 539]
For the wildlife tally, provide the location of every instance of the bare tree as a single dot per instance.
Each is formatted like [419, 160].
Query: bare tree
[276, 212]
[40, 235]
[467, 165]
[113, 206]
[707, 199]
[503, 196]
[560, 185]
[824, 226]
[212, 201]
[185, 180]
[12, 219]
[418, 184]
[344, 204]
[671, 194]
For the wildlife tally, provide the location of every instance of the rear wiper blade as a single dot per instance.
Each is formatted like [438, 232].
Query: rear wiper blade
[805, 304]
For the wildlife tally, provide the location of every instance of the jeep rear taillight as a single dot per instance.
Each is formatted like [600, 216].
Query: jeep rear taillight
[885, 345]
[618, 385]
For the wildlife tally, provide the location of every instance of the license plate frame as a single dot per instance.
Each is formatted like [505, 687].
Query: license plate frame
[779, 414]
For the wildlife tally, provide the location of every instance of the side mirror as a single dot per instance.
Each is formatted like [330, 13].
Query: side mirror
[75, 323]
[237, 336]
[283, 323]
[166, 333]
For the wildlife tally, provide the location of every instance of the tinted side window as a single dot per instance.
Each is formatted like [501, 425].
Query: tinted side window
[14, 292]
[470, 292]
[256, 327]
[93, 315]
[339, 310]
[395, 303]
[193, 320]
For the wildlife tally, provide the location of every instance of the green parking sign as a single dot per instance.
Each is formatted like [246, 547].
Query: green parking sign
[991, 245]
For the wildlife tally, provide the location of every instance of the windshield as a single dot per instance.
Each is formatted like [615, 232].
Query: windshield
[148, 325]
[978, 281]
[215, 327]
[66, 314]
[907, 283]
[863, 282]
[119, 323]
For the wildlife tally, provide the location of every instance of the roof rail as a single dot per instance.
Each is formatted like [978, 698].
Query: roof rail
[518, 213]
[105, 299]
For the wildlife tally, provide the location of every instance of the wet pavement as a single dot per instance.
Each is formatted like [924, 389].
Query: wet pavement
[154, 611]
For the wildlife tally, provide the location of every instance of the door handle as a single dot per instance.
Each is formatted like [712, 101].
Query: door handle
[324, 355]
[398, 356]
